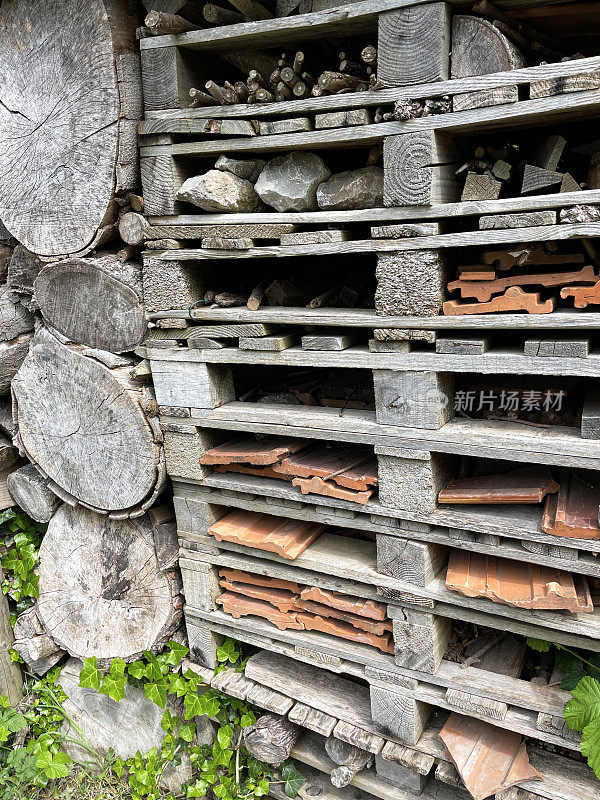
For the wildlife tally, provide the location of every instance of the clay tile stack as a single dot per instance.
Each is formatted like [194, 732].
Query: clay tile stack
[518, 584]
[573, 512]
[288, 605]
[344, 473]
[285, 537]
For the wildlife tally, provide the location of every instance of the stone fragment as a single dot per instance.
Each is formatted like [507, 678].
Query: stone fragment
[249, 169]
[289, 183]
[220, 191]
[360, 188]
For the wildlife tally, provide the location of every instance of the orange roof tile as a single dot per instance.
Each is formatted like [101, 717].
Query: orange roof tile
[286, 537]
[346, 602]
[523, 485]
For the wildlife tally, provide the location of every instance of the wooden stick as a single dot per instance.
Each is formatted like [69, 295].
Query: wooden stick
[289, 77]
[321, 299]
[284, 90]
[252, 9]
[256, 296]
[263, 95]
[11, 681]
[300, 89]
[160, 23]
[336, 81]
[241, 90]
[369, 54]
[298, 62]
[215, 15]
[200, 98]
[225, 96]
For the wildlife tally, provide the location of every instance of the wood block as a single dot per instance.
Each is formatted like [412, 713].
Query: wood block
[312, 719]
[513, 299]
[573, 512]
[358, 737]
[162, 177]
[403, 335]
[549, 151]
[286, 537]
[475, 704]
[268, 699]
[200, 584]
[411, 283]
[523, 485]
[260, 452]
[463, 346]
[528, 219]
[183, 450]
[480, 187]
[192, 385]
[273, 343]
[419, 762]
[344, 630]
[203, 643]
[222, 243]
[548, 348]
[405, 231]
[567, 83]
[378, 346]
[316, 237]
[169, 285]
[483, 98]
[399, 775]
[406, 560]
[412, 484]
[195, 516]
[413, 399]
[230, 331]
[583, 296]
[238, 606]
[288, 125]
[535, 179]
[569, 184]
[166, 80]
[516, 583]
[329, 341]
[420, 639]
[342, 119]
[203, 343]
[413, 45]
[419, 169]
[398, 715]
[370, 609]
[590, 417]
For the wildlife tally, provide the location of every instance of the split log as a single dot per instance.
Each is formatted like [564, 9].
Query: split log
[95, 302]
[102, 592]
[271, 739]
[68, 119]
[23, 269]
[350, 760]
[161, 24]
[35, 647]
[15, 319]
[31, 493]
[86, 429]
[11, 682]
[12, 355]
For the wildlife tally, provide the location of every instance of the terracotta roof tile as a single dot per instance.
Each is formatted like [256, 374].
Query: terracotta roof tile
[345, 631]
[354, 469]
[516, 583]
[487, 758]
[364, 624]
[346, 602]
[524, 485]
[251, 451]
[248, 469]
[331, 489]
[239, 606]
[574, 511]
[286, 537]
[282, 599]
[258, 580]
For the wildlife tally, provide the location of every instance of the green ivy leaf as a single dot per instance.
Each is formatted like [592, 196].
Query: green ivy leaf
[157, 692]
[90, 676]
[224, 736]
[114, 687]
[262, 789]
[194, 705]
[228, 651]
[119, 767]
[153, 669]
[168, 721]
[178, 685]
[538, 644]
[177, 653]
[55, 765]
[294, 780]
[187, 731]
[198, 789]
[590, 745]
[584, 707]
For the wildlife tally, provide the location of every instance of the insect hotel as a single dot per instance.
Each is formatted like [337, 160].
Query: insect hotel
[350, 330]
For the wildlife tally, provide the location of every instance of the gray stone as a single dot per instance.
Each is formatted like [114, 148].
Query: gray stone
[359, 188]
[220, 191]
[249, 169]
[289, 183]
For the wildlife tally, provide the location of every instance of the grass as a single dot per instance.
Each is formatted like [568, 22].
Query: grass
[80, 785]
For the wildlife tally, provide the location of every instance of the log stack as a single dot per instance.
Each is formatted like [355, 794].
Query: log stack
[468, 535]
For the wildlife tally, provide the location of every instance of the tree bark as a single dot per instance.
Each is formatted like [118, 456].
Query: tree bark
[86, 428]
[11, 681]
[68, 118]
[95, 301]
[31, 493]
[102, 592]
[271, 739]
[35, 647]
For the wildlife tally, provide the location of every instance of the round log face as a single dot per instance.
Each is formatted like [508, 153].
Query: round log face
[90, 307]
[83, 428]
[58, 122]
[101, 591]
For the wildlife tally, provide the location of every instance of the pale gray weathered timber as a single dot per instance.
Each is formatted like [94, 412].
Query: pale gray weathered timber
[397, 714]
[86, 429]
[420, 169]
[186, 385]
[590, 416]
[413, 399]
[111, 613]
[557, 348]
[31, 493]
[51, 127]
[184, 446]
[525, 220]
[409, 482]
[11, 680]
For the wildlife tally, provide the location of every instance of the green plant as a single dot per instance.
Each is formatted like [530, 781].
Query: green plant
[20, 539]
[224, 769]
[581, 677]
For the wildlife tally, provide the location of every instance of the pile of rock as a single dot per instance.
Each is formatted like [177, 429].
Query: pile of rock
[297, 181]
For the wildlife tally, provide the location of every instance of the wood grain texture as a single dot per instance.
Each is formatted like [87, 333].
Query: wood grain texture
[83, 426]
[11, 680]
[31, 493]
[63, 118]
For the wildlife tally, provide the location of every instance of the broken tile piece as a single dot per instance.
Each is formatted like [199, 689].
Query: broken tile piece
[330, 489]
[513, 299]
[286, 537]
[518, 584]
[258, 580]
[238, 606]
[574, 511]
[523, 485]
[372, 626]
[251, 451]
[485, 289]
[349, 468]
[488, 759]
[248, 469]
[345, 602]
[282, 599]
[336, 627]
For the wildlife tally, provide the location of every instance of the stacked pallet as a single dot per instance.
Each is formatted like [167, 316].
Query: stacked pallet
[384, 444]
